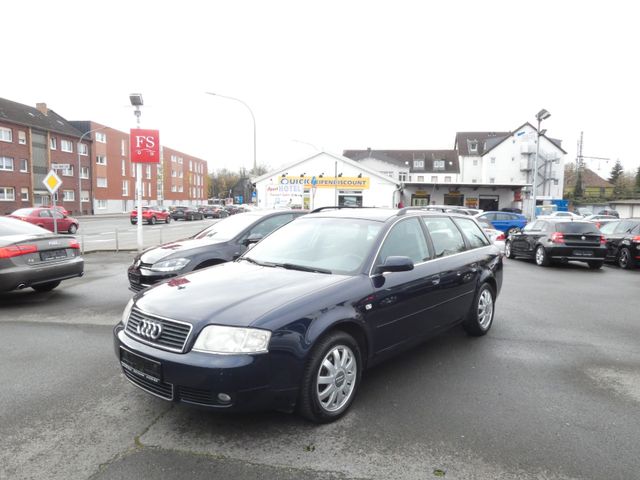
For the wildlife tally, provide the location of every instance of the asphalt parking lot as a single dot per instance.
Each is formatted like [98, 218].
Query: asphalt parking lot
[553, 392]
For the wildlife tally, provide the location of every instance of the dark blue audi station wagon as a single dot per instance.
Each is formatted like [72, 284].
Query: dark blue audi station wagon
[293, 323]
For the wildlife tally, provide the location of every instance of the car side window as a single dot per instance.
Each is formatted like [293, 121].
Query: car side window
[490, 216]
[406, 238]
[473, 232]
[45, 214]
[624, 226]
[267, 226]
[446, 238]
[609, 228]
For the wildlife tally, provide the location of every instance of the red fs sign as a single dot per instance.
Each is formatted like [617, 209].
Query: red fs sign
[145, 145]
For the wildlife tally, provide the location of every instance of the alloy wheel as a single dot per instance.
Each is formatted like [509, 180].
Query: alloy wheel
[540, 256]
[336, 378]
[623, 259]
[485, 309]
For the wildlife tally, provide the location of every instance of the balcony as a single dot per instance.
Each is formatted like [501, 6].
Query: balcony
[527, 148]
[524, 165]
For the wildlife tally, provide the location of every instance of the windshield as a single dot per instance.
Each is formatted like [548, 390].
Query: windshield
[228, 228]
[574, 227]
[332, 245]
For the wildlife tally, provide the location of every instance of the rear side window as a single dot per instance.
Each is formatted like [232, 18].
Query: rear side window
[446, 238]
[575, 227]
[405, 239]
[608, 228]
[475, 235]
[505, 216]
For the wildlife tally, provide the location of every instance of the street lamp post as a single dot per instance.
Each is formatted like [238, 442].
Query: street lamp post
[540, 116]
[80, 167]
[255, 165]
[136, 101]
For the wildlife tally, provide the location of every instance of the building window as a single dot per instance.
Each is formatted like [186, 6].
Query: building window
[180, 174]
[68, 195]
[174, 173]
[148, 172]
[133, 170]
[6, 164]
[66, 146]
[475, 162]
[6, 134]
[190, 165]
[123, 148]
[7, 194]
[492, 180]
[434, 179]
[24, 194]
[123, 168]
[180, 189]
[84, 195]
[493, 160]
[68, 172]
[555, 182]
[101, 137]
[438, 164]
[84, 172]
[125, 188]
[24, 165]
[180, 160]
[420, 178]
[473, 146]
[53, 143]
[402, 176]
[418, 164]
[101, 159]
[22, 137]
[174, 188]
[101, 182]
[474, 180]
[83, 149]
[447, 179]
[101, 204]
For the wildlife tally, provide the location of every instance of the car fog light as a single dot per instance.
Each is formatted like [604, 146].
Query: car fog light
[224, 398]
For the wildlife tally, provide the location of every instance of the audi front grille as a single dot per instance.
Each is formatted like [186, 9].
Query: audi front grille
[160, 389]
[157, 331]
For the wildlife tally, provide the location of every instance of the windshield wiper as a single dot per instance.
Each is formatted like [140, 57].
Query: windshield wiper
[251, 260]
[302, 268]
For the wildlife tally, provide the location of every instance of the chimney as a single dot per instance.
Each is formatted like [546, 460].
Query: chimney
[42, 108]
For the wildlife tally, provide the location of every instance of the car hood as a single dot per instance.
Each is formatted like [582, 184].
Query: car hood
[155, 254]
[234, 293]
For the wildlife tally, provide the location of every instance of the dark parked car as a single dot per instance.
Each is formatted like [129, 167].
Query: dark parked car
[506, 222]
[511, 210]
[295, 321]
[31, 256]
[601, 220]
[43, 217]
[222, 242]
[559, 240]
[150, 215]
[623, 242]
[608, 211]
[214, 211]
[186, 213]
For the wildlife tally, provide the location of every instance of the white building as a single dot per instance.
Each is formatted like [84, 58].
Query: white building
[325, 180]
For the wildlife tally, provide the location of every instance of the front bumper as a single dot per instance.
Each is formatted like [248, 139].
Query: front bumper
[141, 278]
[26, 276]
[197, 378]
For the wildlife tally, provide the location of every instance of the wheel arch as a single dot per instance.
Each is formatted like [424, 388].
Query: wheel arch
[351, 327]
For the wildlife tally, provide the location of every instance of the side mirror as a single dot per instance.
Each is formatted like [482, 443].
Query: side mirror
[395, 264]
[253, 238]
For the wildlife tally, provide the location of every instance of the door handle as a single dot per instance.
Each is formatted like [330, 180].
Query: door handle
[474, 267]
[435, 280]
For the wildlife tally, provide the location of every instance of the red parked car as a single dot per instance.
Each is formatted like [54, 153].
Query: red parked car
[151, 215]
[43, 217]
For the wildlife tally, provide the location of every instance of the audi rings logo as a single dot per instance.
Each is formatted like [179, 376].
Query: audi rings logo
[150, 330]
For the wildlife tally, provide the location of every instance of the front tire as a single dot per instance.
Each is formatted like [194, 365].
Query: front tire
[625, 260]
[73, 228]
[331, 378]
[45, 287]
[168, 219]
[152, 221]
[542, 260]
[508, 252]
[480, 317]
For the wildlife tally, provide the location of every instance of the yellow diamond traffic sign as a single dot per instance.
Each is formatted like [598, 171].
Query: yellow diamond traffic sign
[52, 182]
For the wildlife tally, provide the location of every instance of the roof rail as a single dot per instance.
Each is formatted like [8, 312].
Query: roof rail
[426, 208]
[337, 207]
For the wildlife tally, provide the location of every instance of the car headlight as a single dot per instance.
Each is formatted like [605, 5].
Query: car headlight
[219, 339]
[170, 265]
[127, 311]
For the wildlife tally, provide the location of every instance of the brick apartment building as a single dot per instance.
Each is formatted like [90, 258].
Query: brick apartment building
[100, 177]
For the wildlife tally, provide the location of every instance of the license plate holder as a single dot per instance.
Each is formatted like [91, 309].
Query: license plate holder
[141, 366]
[582, 253]
[53, 255]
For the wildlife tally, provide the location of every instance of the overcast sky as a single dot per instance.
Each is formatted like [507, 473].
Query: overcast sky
[332, 75]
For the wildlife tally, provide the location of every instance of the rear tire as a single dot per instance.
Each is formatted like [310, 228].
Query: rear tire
[595, 265]
[625, 260]
[508, 252]
[46, 287]
[168, 219]
[331, 378]
[73, 228]
[480, 317]
[542, 260]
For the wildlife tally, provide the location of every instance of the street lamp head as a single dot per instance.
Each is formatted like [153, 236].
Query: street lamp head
[542, 115]
[136, 99]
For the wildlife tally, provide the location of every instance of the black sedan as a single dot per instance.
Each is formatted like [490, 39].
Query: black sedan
[31, 256]
[295, 321]
[222, 242]
[214, 211]
[186, 213]
[552, 240]
[623, 242]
